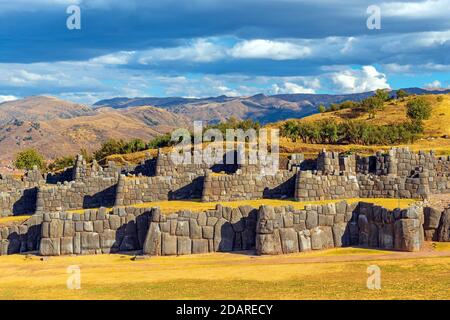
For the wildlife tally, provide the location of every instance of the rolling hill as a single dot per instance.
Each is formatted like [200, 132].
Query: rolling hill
[43, 124]
[260, 107]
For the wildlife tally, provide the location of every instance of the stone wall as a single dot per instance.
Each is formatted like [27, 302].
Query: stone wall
[21, 238]
[132, 190]
[268, 230]
[95, 231]
[18, 196]
[89, 193]
[311, 187]
[248, 186]
[223, 229]
[285, 230]
[437, 224]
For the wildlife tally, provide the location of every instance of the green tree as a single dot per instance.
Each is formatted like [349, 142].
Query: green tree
[401, 94]
[372, 104]
[322, 108]
[29, 158]
[418, 109]
[382, 94]
[108, 148]
[61, 163]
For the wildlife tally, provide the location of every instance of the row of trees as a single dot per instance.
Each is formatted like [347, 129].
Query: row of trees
[330, 131]
[369, 105]
[350, 132]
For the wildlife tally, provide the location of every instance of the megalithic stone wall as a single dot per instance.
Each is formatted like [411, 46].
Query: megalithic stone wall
[285, 230]
[222, 229]
[95, 231]
[269, 230]
[21, 238]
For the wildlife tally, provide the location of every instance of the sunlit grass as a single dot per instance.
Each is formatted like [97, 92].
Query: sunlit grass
[198, 206]
[227, 276]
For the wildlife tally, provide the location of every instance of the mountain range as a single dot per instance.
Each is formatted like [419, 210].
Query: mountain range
[56, 127]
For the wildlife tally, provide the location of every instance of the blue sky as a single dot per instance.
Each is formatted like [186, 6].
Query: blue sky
[197, 48]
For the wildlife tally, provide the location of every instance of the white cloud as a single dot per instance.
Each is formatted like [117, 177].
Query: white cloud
[289, 87]
[422, 9]
[268, 49]
[7, 98]
[354, 81]
[436, 84]
[118, 58]
[200, 50]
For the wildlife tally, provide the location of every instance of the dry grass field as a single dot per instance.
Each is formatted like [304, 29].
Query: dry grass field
[331, 274]
[198, 206]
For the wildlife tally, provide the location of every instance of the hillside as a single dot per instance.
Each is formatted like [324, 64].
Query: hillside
[57, 134]
[41, 108]
[260, 107]
[435, 137]
[436, 128]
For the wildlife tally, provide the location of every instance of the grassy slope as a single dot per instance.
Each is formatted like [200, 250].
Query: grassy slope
[394, 112]
[331, 274]
[197, 206]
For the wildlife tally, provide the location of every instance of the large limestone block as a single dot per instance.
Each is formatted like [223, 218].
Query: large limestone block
[184, 245]
[223, 236]
[195, 229]
[289, 240]
[90, 241]
[199, 246]
[66, 246]
[107, 239]
[386, 236]
[152, 244]
[304, 239]
[321, 238]
[444, 228]
[269, 244]
[50, 247]
[341, 235]
[169, 245]
[56, 228]
[407, 235]
[432, 218]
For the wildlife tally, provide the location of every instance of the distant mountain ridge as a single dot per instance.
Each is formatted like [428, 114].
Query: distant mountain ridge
[259, 107]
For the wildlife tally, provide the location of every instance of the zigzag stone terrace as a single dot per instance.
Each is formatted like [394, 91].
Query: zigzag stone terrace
[54, 229]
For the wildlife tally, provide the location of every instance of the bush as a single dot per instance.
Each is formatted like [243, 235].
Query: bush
[322, 108]
[108, 148]
[372, 104]
[350, 132]
[439, 98]
[28, 158]
[160, 142]
[382, 94]
[401, 94]
[418, 109]
[62, 163]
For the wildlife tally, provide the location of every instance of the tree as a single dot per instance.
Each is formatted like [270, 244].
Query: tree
[418, 109]
[401, 94]
[322, 108]
[372, 104]
[382, 94]
[29, 158]
[108, 148]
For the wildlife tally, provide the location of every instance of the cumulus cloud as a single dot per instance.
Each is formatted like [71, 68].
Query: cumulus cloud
[7, 98]
[289, 87]
[436, 84]
[420, 9]
[200, 50]
[118, 58]
[366, 79]
[268, 49]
